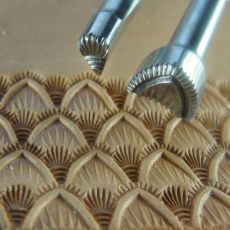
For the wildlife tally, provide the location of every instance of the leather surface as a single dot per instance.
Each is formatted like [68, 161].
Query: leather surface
[78, 152]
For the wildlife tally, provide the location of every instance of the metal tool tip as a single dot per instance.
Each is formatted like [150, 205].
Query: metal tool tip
[173, 76]
[152, 83]
[96, 64]
[95, 50]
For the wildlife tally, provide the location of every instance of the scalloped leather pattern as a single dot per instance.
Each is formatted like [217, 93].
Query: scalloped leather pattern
[80, 153]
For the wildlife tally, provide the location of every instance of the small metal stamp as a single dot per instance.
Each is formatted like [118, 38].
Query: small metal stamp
[175, 75]
[96, 42]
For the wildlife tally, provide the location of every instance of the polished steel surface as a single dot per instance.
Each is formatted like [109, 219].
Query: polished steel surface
[98, 38]
[174, 74]
[197, 26]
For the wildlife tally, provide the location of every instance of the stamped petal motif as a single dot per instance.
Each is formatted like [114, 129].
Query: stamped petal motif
[90, 123]
[223, 87]
[185, 135]
[27, 94]
[58, 159]
[118, 91]
[163, 168]
[87, 95]
[24, 122]
[57, 130]
[198, 161]
[7, 133]
[15, 166]
[56, 86]
[156, 122]
[128, 158]
[101, 203]
[144, 104]
[4, 85]
[27, 74]
[18, 199]
[96, 169]
[123, 128]
[213, 101]
[213, 122]
[211, 208]
[138, 209]
[59, 209]
[219, 168]
[177, 199]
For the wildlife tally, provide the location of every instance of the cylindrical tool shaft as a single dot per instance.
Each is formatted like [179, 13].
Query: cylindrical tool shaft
[121, 8]
[104, 27]
[110, 18]
[198, 24]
